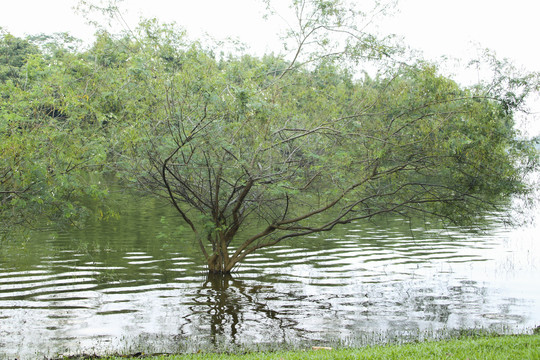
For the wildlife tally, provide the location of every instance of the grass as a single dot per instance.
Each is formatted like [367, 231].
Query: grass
[490, 347]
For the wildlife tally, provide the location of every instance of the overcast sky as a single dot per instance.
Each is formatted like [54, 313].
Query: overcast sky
[435, 26]
[456, 28]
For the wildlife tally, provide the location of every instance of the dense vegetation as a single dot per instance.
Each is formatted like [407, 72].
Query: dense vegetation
[275, 146]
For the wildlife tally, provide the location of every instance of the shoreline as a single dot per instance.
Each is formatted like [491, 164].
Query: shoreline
[490, 346]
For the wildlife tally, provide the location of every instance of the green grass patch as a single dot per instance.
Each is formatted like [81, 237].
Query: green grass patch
[492, 347]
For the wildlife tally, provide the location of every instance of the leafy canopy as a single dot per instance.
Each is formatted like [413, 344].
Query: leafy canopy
[251, 151]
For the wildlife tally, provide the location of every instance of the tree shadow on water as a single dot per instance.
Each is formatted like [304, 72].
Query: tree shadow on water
[228, 311]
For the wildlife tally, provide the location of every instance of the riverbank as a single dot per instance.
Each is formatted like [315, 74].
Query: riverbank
[491, 347]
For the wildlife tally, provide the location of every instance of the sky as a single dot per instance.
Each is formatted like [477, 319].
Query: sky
[437, 27]
[456, 28]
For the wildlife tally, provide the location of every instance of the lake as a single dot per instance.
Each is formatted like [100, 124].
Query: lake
[137, 284]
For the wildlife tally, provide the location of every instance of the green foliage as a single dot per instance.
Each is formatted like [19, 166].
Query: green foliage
[49, 154]
[255, 141]
[274, 147]
[13, 55]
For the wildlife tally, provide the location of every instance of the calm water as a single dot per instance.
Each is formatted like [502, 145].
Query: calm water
[130, 285]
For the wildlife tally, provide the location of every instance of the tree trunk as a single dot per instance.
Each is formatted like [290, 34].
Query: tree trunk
[220, 262]
[217, 264]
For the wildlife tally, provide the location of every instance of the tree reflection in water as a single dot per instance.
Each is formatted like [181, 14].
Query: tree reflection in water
[226, 307]
[108, 286]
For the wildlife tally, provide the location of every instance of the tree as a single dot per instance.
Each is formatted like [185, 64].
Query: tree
[251, 152]
[13, 54]
[49, 152]
[254, 151]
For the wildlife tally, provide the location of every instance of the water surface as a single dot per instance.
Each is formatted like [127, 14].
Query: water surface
[137, 284]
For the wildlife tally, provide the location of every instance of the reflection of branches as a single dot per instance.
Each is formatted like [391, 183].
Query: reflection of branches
[223, 301]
